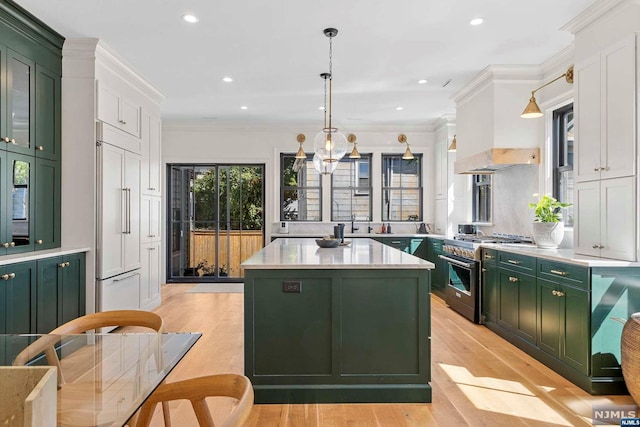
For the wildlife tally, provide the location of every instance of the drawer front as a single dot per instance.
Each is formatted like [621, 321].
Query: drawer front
[573, 275]
[517, 262]
[489, 255]
[402, 244]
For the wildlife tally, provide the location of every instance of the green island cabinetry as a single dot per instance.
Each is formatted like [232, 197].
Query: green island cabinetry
[337, 325]
[568, 316]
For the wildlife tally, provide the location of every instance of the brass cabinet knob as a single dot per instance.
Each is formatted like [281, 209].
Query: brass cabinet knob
[12, 244]
[484, 270]
[6, 139]
[5, 244]
[61, 265]
[13, 141]
[38, 242]
[40, 148]
[4, 277]
[513, 279]
[66, 264]
[12, 275]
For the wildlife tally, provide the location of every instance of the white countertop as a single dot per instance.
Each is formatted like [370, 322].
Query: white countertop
[35, 255]
[304, 253]
[356, 235]
[561, 255]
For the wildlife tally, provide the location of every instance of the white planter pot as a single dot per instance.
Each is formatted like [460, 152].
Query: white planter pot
[548, 234]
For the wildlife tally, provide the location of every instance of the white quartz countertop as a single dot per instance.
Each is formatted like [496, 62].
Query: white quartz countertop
[356, 235]
[36, 255]
[304, 253]
[561, 255]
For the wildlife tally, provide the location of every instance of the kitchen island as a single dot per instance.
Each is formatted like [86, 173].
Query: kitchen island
[346, 324]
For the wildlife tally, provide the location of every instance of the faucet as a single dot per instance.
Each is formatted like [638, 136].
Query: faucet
[353, 228]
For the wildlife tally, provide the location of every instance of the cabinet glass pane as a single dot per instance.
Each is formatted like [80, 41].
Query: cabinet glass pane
[20, 203]
[20, 108]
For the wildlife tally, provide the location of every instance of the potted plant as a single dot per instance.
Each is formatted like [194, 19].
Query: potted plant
[548, 230]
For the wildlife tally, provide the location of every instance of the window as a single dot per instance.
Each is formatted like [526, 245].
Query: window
[563, 158]
[401, 188]
[481, 198]
[351, 190]
[300, 189]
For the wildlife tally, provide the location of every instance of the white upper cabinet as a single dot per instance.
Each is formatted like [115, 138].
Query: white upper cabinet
[440, 169]
[117, 110]
[151, 171]
[605, 95]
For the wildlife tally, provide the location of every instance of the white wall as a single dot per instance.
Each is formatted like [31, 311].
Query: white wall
[184, 142]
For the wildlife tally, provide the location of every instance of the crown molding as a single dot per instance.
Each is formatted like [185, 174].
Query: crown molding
[498, 73]
[595, 11]
[560, 61]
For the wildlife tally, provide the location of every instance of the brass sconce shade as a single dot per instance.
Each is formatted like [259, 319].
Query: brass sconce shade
[408, 155]
[452, 147]
[300, 154]
[354, 153]
[532, 110]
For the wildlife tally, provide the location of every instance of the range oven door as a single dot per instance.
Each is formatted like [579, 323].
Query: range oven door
[462, 291]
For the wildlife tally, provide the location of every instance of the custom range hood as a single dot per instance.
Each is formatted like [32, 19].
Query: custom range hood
[494, 159]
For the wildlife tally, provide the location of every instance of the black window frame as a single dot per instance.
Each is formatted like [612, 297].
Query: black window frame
[416, 157]
[562, 161]
[478, 201]
[358, 191]
[283, 188]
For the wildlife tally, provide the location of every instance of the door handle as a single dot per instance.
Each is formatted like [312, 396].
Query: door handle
[558, 272]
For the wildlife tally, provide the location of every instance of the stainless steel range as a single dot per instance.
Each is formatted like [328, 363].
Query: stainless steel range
[463, 290]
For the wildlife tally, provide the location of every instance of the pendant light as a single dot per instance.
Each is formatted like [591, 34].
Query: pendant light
[325, 168]
[452, 147]
[354, 153]
[408, 155]
[532, 110]
[330, 145]
[301, 154]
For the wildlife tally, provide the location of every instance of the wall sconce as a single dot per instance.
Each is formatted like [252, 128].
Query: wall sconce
[354, 153]
[408, 155]
[301, 154]
[532, 110]
[452, 147]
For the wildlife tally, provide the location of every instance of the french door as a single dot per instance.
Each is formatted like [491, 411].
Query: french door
[216, 220]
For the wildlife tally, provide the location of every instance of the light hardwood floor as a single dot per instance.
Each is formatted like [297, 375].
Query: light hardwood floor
[478, 378]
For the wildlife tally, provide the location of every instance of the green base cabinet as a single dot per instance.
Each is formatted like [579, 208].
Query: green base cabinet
[346, 336]
[578, 313]
[60, 291]
[439, 276]
[17, 303]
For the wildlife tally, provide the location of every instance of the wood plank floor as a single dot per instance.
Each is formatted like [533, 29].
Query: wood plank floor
[478, 378]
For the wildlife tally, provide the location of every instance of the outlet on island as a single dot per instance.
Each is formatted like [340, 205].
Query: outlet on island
[292, 286]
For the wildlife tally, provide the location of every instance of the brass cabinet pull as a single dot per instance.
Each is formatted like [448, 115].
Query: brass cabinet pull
[512, 261]
[39, 242]
[487, 256]
[597, 247]
[484, 270]
[40, 148]
[599, 169]
[554, 292]
[559, 294]
[513, 279]
[558, 272]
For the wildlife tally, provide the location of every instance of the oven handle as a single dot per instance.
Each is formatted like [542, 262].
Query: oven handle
[456, 262]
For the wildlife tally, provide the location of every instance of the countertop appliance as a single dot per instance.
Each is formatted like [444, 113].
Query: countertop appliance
[467, 229]
[118, 253]
[463, 292]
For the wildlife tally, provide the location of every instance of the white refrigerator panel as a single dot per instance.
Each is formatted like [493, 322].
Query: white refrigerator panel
[118, 211]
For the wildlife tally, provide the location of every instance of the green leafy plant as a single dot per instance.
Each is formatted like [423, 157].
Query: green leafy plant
[547, 208]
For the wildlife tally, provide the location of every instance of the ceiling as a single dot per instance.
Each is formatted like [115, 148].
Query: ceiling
[275, 51]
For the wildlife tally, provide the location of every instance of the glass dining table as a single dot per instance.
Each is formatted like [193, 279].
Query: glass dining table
[103, 379]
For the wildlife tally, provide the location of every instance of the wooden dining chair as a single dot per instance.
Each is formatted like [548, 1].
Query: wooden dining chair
[197, 390]
[82, 324]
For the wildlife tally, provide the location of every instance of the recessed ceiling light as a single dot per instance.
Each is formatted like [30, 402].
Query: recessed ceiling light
[476, 21]
[227, 79]
[192, 19]
[244, 107]
[399, 108]
[422, 81]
